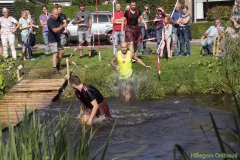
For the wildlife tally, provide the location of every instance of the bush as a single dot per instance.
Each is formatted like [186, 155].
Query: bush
[7, 75]
[222, 12]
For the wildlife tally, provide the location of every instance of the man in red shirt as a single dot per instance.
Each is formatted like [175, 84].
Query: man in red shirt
[116, 19]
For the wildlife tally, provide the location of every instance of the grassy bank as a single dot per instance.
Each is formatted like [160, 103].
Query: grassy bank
[187, 75]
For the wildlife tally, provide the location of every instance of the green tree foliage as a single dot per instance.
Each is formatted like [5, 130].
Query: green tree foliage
[222, 12]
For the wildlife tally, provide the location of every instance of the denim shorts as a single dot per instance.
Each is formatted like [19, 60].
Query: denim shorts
[84, 34]
[55, 47]
[24, 41]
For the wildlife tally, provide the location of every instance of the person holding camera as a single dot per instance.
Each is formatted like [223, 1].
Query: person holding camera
[160, 16]
[84, 21]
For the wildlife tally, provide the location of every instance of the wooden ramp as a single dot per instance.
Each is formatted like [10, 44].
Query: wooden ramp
[30, 94]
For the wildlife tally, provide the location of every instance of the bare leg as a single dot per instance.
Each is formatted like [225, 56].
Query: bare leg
[54, 59]
[60, 55]
[127, 93]
[80, 49]
[89, 49]
[168, 43]
[131, 47]
[24, 54]
[162, 48]
[135, 49]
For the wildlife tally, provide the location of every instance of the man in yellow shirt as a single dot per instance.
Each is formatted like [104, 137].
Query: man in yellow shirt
[124, 66]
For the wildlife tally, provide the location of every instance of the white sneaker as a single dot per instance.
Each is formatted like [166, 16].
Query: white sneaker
[133, 60]
[140, 53]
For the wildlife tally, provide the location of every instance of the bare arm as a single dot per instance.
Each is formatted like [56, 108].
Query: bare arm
[123, 20]
[90, 24]
[55, 30]
[43, 23]
[139, 61]
[185, 20]
[93, 112]
[113, 62]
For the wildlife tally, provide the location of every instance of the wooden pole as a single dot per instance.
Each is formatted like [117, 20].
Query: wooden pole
[68, 71]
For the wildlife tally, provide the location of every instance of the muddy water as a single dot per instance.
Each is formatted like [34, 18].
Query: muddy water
[149, 129]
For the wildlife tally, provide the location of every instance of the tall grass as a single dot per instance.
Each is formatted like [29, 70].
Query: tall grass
[51, 141]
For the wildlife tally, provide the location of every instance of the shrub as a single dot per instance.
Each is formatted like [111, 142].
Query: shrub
[222, 12]
[7, 75]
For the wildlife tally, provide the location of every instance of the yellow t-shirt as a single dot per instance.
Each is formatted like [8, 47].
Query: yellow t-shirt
[125, 65]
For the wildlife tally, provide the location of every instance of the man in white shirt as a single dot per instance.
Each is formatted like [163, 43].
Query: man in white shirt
[210, 34]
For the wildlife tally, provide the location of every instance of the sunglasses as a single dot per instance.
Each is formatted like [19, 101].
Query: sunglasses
[145, 9]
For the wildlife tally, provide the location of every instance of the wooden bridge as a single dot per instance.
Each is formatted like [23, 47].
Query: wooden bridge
[30, 94]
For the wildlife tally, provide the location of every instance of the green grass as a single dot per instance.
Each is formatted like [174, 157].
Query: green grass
[185, 75]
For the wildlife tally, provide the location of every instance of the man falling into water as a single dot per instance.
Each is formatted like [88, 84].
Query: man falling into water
[124, 66]
[92, 102]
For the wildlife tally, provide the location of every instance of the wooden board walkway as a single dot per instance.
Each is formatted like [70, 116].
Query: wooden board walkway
[30, 94]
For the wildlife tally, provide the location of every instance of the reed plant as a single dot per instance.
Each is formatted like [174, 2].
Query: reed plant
[53, 140]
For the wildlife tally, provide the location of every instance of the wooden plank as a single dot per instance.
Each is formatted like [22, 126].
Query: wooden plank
[46, 99]
[42, 80]
[34, 89]
[38, 84]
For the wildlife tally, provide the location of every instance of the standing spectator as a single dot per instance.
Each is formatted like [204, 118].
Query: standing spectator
[167, 33]
[142, 28]
[32, 21]
[55, 25]
[63, 16]
[213, 31]
[184, 31]
[118, 15]
[43, 21]
[236, 12]
[175, 17]
[132, 31]
[25, 34]
[84, 21]
[8, 32]
[161, 14]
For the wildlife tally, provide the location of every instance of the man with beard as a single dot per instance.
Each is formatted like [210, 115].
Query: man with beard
[132, 30]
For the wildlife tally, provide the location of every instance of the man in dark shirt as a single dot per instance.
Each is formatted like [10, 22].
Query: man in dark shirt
[64, 17]
[55, 25]
[132, 32]
[92, 102]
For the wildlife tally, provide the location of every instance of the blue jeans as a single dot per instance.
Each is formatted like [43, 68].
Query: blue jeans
[158, 36]
[144, 36]
[116, 35]
[184, 40]
[45, 38]
[175, 41]
[207, 45]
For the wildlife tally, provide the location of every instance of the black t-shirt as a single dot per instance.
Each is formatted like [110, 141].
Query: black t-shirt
[88, 94]
[63, 16]
[133, 21]
[51, 23]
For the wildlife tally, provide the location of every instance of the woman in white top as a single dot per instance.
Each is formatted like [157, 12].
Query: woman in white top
[166, 37]
[7, 32]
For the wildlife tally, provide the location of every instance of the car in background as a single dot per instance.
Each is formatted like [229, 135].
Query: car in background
[104, 25]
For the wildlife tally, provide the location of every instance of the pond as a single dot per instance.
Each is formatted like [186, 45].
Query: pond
[150, 129]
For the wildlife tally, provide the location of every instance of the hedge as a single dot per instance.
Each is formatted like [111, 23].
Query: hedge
[222, 12]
